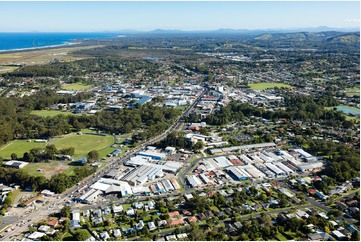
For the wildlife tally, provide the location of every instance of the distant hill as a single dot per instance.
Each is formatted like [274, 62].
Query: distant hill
[330, 36]
[352, 38]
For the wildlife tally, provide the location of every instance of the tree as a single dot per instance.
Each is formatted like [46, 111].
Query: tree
[65, 211]
[81, 235]
[93, 155]
[14, 156]
[198, 146]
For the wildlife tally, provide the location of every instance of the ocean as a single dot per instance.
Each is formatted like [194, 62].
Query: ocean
[20, 41]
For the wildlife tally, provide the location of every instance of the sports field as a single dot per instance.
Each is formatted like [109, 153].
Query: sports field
[266, 85]
[18, 147]
[84, 143]
[75, 87]
[49, 113]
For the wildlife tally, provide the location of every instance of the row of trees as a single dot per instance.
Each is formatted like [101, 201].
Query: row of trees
[57, 183]
[148, 119]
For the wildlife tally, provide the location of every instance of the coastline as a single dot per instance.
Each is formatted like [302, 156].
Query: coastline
[66, 44]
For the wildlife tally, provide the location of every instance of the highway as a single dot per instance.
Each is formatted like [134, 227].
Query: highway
[57, 203]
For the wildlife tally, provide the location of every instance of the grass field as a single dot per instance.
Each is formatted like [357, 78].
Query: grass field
[351, 94]
[47, 169]
[266, 85]
[18, 147]
[41, 56]
[84, 143]
[49, 113]
[75, 87]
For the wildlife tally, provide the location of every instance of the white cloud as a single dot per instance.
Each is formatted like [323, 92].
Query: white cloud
[354, 20]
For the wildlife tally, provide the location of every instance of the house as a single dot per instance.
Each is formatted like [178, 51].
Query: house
[117, 209]
[170, 237]
[238, 225]
[173, 214]
[338, 235]
[36, 235]
[140, 225]
[182, 236]
[97, 220]
[130, 212]
[53, 223]
[138, 205]
[186, 212]
[44, 228]
[117, 233]
[176, 222]
[151, 226]
[162, 223]
[151, 205]
[192, 219]
[104, 235]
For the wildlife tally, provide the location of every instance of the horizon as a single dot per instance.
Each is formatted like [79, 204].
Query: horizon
[67, 17]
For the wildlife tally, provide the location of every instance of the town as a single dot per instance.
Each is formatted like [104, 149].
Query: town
[184, 138]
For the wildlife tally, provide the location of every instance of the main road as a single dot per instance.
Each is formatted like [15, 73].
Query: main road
[56, 204]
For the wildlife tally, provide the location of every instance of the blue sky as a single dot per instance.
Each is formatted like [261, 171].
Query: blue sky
[115, 16]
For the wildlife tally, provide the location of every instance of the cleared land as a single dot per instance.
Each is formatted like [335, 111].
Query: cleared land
[266, 85]
[76, 87]
[41, 56]
[19, 147]
[84, 143]
[46, 169]
[49, 113]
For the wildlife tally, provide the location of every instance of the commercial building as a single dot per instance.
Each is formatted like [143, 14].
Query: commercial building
[113, 186]
[143, 173]
[152, 154]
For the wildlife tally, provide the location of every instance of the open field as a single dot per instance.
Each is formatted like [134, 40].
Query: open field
[75, 87]
[50, 113]
[351, 94]
[266, 85]
[18, 147]
[41, 56]
[5, 69]
[84, 143]
[46, 169]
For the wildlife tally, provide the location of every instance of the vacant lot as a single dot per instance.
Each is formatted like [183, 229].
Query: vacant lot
[266, 85]
[76, 87]
[46, 169]
[84, 143]
[18, 147]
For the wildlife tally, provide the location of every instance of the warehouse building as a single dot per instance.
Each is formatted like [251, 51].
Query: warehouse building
[143, 173]
[287, 170]
[167, 185]
[222, 161]
[175, 183]
[237, 174]
[204, 178]
[275, 169]
[254, 172]
[194, 181]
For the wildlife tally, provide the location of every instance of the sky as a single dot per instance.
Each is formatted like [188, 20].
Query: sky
[116, 16]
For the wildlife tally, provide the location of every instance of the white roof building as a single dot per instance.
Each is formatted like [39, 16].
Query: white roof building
[112, 185]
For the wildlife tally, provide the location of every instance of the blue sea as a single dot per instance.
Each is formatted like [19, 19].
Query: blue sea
[19, 41]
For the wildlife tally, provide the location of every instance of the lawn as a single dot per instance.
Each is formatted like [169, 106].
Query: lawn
[84, 143]
[49, 113]
[266, 85]
[281, 237]
[19, 147]
[76, 86]
[47, 168]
